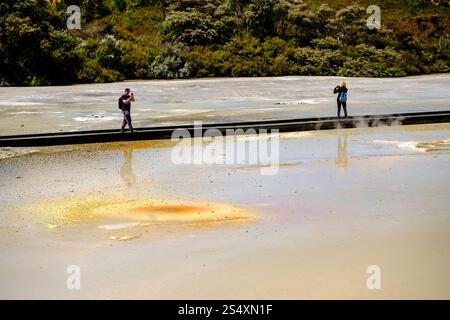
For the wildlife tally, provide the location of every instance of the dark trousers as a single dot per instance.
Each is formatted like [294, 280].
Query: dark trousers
[344, 106]
[126, 120]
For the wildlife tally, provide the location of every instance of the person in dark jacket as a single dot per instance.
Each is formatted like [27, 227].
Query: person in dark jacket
[125, 105]
[342, 98]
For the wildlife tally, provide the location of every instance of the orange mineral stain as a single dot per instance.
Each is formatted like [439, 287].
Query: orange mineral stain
[117, 212]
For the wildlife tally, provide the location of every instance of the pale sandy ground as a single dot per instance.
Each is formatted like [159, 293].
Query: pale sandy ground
[341, 201]
[171, 102]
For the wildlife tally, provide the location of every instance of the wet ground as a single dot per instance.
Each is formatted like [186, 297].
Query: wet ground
[140, 226]
[94, 106]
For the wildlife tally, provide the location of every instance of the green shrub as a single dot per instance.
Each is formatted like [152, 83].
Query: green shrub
[327, 43]
[183, 38]
[191, 28]
[92, 72]
[170, 64]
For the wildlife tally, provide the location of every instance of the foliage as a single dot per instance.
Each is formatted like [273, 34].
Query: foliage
[156, 39]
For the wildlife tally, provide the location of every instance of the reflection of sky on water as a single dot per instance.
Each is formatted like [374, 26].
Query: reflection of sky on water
[94, 106]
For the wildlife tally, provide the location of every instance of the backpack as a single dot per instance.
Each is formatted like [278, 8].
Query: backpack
[343, 97]
[120, 103]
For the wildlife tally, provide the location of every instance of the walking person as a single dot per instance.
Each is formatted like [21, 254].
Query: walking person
[125, 105]
[342, 98]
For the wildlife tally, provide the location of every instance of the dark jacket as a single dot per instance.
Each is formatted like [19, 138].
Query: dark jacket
[339, 90]
[122, 105]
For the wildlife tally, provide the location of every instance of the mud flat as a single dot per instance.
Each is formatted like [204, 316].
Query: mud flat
[94, 106]
[139, 226]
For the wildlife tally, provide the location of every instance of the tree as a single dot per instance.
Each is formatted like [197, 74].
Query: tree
[26, 32]
[261, 17]
[191, 28]
[310, 23]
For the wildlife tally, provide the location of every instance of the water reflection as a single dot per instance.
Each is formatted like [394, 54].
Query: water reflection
[126, 171]
[342, 155]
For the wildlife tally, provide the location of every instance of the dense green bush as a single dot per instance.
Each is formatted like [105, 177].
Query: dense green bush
[170, 64]
[191, 28]
[148, 39]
